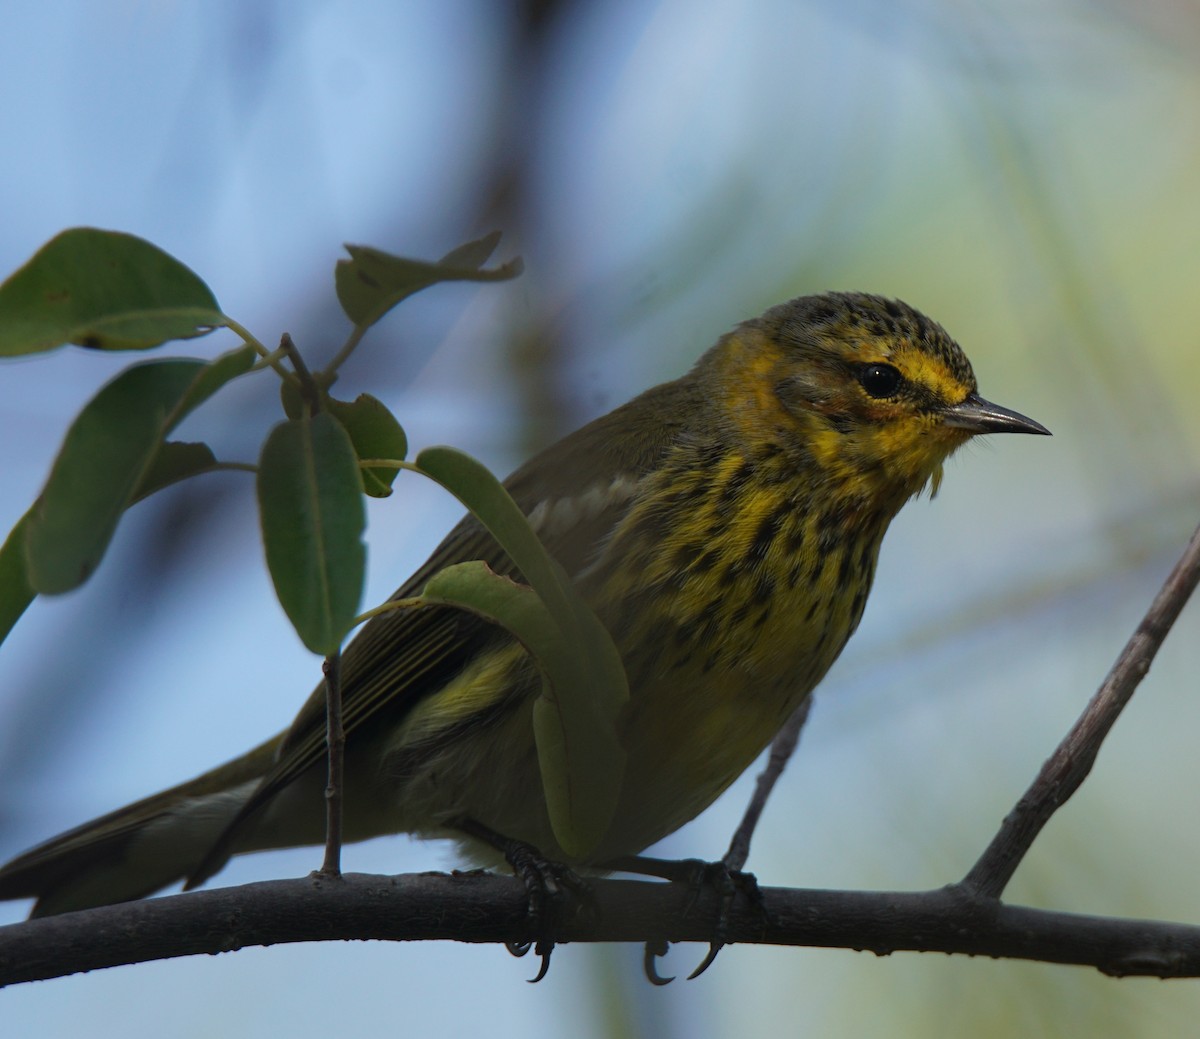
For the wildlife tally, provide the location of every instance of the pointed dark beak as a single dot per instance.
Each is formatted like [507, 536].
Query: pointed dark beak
[982, 416]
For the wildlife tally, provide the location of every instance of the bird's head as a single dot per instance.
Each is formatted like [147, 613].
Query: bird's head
[867, 390]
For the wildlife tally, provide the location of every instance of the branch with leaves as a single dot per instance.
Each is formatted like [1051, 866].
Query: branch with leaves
[110, 291]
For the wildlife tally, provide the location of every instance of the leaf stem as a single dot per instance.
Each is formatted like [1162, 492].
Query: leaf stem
[246, 336]
[335, 741]
[270, 357]
[387, 607]
[340, 358]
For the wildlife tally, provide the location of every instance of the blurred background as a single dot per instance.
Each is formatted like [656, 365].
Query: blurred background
[1026, 173]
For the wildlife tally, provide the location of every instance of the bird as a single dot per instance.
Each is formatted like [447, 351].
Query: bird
[724, 527]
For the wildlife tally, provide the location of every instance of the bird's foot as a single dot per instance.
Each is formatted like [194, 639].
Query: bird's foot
[699, 876]
[546, 884]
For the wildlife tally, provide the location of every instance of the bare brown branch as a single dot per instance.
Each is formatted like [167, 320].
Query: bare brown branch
[483, 907]
[1072, 760]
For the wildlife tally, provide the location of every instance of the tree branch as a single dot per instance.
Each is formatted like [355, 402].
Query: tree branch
[485, 907]
[1072, 760]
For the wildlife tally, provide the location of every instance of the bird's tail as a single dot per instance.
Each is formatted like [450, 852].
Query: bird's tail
[140, 848]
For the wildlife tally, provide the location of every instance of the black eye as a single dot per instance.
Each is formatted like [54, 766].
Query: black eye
[880, 380]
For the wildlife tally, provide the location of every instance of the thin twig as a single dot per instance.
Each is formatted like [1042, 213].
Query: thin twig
[335, 741]
[308, 385]
[782, 748]
[1072, 760]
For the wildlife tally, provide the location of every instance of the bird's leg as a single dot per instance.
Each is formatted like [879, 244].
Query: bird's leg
[782, 748]
[544, 884]
[726, 876]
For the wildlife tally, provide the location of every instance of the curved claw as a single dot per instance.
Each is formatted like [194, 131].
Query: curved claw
[652, 952]
[727, 883]
[543, 950]
[545, 883]
[707, 962]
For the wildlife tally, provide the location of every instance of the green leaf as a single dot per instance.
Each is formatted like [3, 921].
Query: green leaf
[576, 718]
[174, 461]
[225, 368]
[579, 752]
[375, 433]
[107, 461]
[16, 593]
[292, 399]
[311, 506]
[472, 484]
[371, 282]
[105, 290]
[106, 454]
[472, 255]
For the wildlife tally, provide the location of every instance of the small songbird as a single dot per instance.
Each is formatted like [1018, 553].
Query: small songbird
[724, 527]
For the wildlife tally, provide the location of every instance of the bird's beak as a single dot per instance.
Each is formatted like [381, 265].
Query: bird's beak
[982, 416]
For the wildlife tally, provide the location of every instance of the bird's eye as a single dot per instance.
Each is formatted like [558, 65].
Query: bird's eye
[880, 380]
